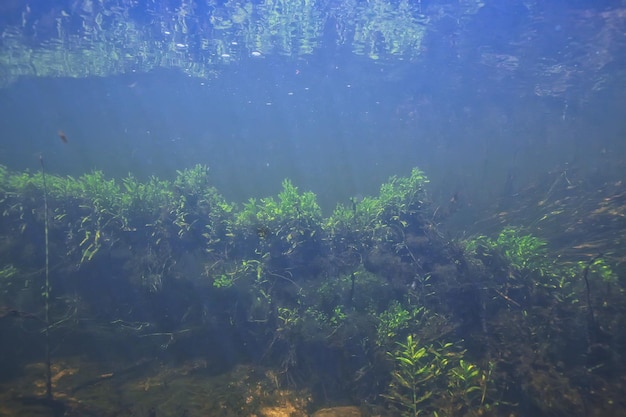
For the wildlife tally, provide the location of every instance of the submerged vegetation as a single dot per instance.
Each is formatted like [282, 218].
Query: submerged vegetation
[371, 303]
[100, 38]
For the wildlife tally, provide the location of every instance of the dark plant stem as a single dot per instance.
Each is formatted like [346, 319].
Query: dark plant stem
[46, 292]
[350, 300]
[590, 316]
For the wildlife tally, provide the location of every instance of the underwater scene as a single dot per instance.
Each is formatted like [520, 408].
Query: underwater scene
[324, 208]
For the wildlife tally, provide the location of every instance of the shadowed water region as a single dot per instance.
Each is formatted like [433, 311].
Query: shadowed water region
[312, 208]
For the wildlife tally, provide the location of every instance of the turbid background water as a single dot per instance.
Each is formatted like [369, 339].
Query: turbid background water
[492, 103]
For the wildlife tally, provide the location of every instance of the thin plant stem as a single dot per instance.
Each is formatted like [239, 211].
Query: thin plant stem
[46, 292]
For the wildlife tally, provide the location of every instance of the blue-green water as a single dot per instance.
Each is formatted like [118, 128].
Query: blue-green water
[488, 91]
[515, 111]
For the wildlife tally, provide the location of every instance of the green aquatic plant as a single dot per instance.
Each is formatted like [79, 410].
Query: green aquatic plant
[521, 260]
[289, 318]
[102, 39]
[601, 268]
[200, 211]
[4, 174]
[194, 181]
[467, 388]
[528, 262]
[234, 271]
[350, 230]
[145, 199]
[287, 27]
[383, 29]
[400, 198]
[412, 386]
[360, 215]
[104, 194]
[561, 283]
[373, 220]
[223, 281]
[288, 226]
[320, 324]
[395, 321]
[8, 272]
[524, 251]
[291, 205]
[435, 379]
[101, 205]
[22, 182]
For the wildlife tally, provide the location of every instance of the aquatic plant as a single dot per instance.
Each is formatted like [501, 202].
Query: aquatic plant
[601, 268]
[7, 272]
[288, 226]
[200, 212]
[522, 250]
[46, 286]
[434, 379]
[529, 266]
[93, 209]
[101, 213]
[374, 280]
[395, 321]
[101, 39]
[412, 384]
[522, 266]
[323, 324]
[383, 28]
[144, 199]
[468, 387]
[350, 230]
[398, 200]
[290, 206]
[403, 195]
[289, 318]
[381, 220]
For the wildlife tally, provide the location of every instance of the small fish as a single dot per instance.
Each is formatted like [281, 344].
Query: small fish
[62, 136]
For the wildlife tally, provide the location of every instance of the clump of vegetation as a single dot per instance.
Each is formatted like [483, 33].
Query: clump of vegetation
[434, 379]
[373, 287]
[288, 226]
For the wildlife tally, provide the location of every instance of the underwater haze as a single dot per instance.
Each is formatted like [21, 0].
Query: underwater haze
[300, 207]
[337, 97]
